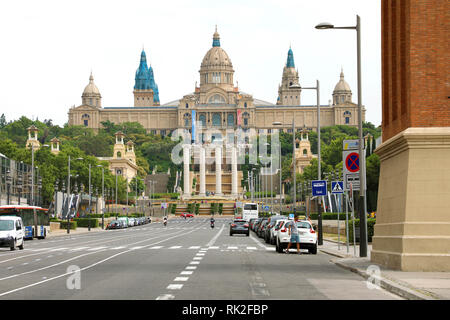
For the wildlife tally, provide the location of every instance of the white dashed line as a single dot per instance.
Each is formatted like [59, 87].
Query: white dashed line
[166, 297]
[156, 247]
[194, 262]
[174, 286]
[194, 247]
[186, 272]
[175, 247]
[198, 258]
[191, 267]
[181, 279]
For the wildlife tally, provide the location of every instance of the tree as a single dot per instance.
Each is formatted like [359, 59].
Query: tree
[3, 122]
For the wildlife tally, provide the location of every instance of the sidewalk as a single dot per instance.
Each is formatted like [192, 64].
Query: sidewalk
[63, 232]
[410, 285]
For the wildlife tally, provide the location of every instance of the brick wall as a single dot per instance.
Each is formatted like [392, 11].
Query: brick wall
[415, 64]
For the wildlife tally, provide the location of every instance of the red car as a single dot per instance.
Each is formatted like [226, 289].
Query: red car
[186, 215]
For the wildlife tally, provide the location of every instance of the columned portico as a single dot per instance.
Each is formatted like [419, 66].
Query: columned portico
[202, 171]
[219, 170]
[186, 162]
[234, 173]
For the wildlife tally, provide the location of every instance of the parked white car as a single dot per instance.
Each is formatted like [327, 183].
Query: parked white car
[275, 230]
[308, 236]
[12, 232]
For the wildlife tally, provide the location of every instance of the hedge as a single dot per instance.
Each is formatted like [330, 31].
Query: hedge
[63, 224]
[370, 227]
[84, 222]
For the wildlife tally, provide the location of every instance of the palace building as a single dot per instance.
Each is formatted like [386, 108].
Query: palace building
[217, 103]
[212, 113]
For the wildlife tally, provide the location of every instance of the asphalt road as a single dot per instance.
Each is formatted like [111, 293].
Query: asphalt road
[184, 260]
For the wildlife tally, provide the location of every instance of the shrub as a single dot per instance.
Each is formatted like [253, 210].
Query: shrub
[370, 228]
[197, 208]
[63, 224]
[84, 222]
[174, 208]
[220, 208]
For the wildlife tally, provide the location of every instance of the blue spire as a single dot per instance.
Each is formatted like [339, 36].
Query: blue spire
[153, 85]
[216, 39]
[142, 79]
[290, 59]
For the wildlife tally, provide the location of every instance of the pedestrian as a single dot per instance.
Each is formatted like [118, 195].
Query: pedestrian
[294, 236]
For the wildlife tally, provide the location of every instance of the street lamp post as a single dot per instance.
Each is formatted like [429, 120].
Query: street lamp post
[90, 200]
[362, 171]
[103, 195]
[319, 176]
[277, 123]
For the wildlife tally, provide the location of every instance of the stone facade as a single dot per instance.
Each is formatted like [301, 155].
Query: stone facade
[217, 103]
[412, 232]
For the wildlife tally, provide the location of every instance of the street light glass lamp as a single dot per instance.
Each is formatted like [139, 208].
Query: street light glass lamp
[325, 25]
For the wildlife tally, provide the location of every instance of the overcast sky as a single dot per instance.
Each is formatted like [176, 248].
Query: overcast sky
[48, 49]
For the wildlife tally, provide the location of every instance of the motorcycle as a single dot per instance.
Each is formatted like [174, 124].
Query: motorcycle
[165, 223]
[212, 225]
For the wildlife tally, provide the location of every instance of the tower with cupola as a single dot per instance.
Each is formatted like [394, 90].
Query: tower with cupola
[289, 91]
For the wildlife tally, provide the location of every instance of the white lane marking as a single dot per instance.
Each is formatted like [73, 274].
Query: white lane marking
[232, 248]
[60, 249]
[79, 248]
[213, 240]
[136, 248]
[186, 272]
[175, 247]
[191, 267]
[37, 259]
[166, 297]
[198, 258]
[200, 254]
[181, 279]
[194, 247]
[156, 247]
[174, 286]
[213, 247]
[97, 248]
[259, 243]
[118, 248]
[194, 262]
[85, 268]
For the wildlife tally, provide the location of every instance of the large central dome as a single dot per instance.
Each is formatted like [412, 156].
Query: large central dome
[216, 68]
[216, 57]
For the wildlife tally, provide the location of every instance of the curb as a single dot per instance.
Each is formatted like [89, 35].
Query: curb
[391, 286]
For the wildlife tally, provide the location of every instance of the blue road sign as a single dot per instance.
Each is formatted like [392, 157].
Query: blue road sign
[266, 208]
[319, 187]
[337, 187]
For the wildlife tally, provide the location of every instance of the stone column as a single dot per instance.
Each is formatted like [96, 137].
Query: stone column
[219, 170]
[186, 162]
[202, 171]
[234, 175]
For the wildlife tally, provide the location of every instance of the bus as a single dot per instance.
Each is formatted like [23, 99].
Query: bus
[250, 211]
[27, 215]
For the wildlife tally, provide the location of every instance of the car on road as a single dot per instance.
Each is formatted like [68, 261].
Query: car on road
[239, 226]
[277, 228]
[12, 232]
[261, 228]
[251, 222]
[186, 215]
[308, 236]
[255, 224]
[268, 235]
[115, 224]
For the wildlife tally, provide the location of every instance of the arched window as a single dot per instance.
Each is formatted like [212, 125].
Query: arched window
[202, 119]
[230, 120]
[85, 117]
[245, 104]
[119, 154]
[347, 115]
[216, 120]
[187, 105]
[187, 119]
[305, 152]
[217, 98]
[245, 117]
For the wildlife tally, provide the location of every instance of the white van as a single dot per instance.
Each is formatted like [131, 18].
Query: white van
[11, 232]
[250, 211]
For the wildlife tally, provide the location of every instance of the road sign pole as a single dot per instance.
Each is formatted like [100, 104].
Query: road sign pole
[320, 242]
[339, 223]
[346, 219]
[354, 227]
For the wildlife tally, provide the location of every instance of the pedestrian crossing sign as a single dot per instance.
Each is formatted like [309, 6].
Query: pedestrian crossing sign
[337, 187]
